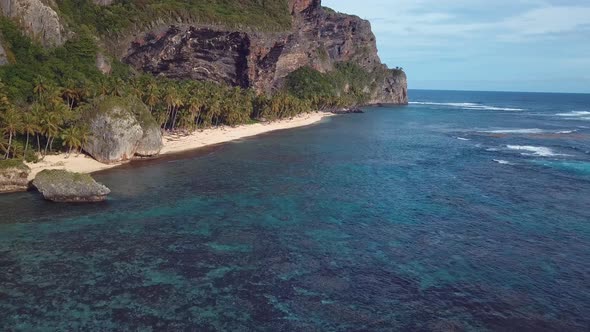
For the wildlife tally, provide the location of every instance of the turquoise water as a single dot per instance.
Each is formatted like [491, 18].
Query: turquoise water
[464, 211]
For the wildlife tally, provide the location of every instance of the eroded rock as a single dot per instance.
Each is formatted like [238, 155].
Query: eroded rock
[13, 176]
[121, 128]
[64, 186]
[38, 19]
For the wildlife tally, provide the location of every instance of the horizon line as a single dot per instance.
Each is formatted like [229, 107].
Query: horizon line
[503, 91]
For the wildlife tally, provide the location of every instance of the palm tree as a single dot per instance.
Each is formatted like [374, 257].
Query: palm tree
[29, 127]
[11, 124]
[151, 98]
[3, 144]
[40, 87]
[71, 137]
[70, 95]
[37, 117]
[84, 136]
[49, 128]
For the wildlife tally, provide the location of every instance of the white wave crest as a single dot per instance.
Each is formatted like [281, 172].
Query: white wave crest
[528, 131]
[516, 131]
[463, 139]
[574, 114]
[468, 106]
[503, 162]
[540, 151]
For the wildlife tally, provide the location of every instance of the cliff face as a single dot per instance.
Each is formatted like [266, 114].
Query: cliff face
[319, 38]
[38, 19]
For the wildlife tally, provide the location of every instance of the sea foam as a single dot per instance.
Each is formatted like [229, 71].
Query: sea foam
[516, 131]
[540, 151]
[528, 131]
[469, 106]
[574, 114]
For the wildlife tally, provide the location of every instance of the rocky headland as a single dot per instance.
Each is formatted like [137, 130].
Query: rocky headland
[241, 58]
[319, 38]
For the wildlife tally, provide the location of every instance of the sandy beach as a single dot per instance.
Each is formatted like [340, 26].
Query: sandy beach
[177, 143]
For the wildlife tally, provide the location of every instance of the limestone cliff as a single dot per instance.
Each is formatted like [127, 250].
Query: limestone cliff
[319, 38]
[38, 19]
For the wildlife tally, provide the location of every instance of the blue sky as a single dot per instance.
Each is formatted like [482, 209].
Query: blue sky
[506, 45]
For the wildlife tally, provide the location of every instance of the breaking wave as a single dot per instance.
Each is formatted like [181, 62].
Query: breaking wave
[539, 151]
[576, 115]
[469, 106]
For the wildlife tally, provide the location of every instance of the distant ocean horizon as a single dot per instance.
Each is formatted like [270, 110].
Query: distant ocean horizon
[500, 91]
[462, 211]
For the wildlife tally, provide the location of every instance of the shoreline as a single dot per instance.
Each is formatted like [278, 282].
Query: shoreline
[174, 143]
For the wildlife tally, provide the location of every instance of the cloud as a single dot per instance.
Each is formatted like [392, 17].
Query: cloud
[512, 41]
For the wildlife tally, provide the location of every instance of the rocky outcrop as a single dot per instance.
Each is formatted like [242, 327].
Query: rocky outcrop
[103, 64]
[64, 186]
[191, 53]
[298, 6]
[319, 38]
[38, 20]
[3, 54]
[103, 2]
[121, 128]
[13, 176]
[392, 90]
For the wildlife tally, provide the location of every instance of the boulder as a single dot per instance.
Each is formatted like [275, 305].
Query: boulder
[13, 176]
[121, 128]
[150, 143]
[64, 186]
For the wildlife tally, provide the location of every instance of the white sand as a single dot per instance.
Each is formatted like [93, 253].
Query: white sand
[177, 143]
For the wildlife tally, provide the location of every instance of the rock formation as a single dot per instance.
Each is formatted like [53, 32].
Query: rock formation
[121, 128]
[64, 186]
[38, 19]
[13, 176]
[103, 64]
[319, 38]
[3, 55]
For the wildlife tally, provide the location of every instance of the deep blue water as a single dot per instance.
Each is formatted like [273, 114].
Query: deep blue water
[462, 211]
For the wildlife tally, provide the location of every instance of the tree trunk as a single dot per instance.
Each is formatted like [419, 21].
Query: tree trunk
[9, 144]
[174, 118]
[168, 113]
[27, 145]
[47, 145]
[38, 143]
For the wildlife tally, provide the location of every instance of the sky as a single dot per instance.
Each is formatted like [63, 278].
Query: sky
[499, 45]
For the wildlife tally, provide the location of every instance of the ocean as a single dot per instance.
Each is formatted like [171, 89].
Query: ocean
[463, 211]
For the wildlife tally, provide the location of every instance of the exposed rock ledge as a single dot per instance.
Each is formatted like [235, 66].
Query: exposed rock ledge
[64, 186]
[13, 176]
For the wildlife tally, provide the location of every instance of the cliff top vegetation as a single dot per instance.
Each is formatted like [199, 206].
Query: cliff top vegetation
[125, 15]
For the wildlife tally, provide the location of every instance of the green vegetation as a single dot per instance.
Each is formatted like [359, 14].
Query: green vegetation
[44, 93]
[13, 163]
[62, 176]
[347, 85]
[70, 65]
[123, 15]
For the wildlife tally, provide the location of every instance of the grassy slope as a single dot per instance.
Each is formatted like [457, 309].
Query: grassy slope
[125, 15]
